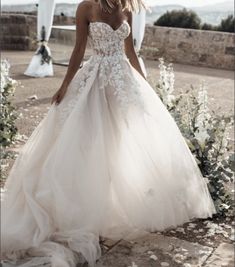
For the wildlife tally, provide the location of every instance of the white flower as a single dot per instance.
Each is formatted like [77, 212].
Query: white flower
[180, 229]
[5, 79]
[179, 258]
[215, 229]
[165, 264]
[153, 257]
[33, 97]
[202, 121]
[166, 83]
[225, 206]
[201, 136]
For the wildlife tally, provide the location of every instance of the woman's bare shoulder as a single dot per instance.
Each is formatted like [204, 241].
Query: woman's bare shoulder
[85, 8]
[87, 4]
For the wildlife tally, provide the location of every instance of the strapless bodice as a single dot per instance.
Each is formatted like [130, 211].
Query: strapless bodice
[106, 41]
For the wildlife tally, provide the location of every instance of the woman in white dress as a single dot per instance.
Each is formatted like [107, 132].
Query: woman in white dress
[107, 160]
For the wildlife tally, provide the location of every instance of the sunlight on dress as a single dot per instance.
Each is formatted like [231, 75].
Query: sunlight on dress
[108, 161]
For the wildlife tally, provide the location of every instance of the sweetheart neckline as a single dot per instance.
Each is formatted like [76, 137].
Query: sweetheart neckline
[114, 30]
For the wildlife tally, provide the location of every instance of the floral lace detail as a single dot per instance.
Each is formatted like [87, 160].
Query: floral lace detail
[108, 47]
[78, 85]
[105, 41]
[108, 65]
[127, 96]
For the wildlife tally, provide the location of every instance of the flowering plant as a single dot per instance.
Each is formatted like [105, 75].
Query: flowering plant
[8, 129]
[206, 133]
[165, 85]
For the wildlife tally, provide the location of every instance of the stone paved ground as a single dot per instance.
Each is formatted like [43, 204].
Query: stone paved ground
[201, 243]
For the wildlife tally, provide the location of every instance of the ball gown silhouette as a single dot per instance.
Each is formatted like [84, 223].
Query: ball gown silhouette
[108, 161]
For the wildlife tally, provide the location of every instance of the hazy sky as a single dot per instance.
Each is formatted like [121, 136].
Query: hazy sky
[150, 2]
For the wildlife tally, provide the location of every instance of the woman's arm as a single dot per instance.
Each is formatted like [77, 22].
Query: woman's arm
[130, 50]
[77, 56]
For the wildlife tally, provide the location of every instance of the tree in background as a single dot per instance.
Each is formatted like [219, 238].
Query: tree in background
[179, 18]
[190, 20]
[208, 27]
[227, 25]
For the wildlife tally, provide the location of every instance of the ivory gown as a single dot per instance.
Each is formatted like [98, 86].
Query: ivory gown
[108, 161]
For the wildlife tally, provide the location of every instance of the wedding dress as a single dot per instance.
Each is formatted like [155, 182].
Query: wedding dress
[107, 161]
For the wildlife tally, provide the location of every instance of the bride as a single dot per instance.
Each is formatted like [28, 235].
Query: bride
[106, 161]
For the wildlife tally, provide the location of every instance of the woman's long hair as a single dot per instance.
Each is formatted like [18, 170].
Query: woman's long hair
[131, 5]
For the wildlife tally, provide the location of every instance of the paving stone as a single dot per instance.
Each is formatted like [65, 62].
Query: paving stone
[189, 46]
[21, 262]
[223, 256]
[156, 250]
[110, 243]
[43, 265]
[107, 244]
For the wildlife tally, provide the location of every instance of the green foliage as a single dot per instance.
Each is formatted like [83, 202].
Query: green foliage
[208, 27]
[190, 20]
[206, 133]
[227, 25]
[207, 137]
[8, 130]
[179, 18]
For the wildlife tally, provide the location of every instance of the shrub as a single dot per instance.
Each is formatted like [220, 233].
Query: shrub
[206, 134]
[190, 20]
[208, 27]
[8, 129]
[179, 18]
[227, 25]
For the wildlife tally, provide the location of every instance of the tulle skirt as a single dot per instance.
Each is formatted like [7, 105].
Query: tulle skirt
[108, 161]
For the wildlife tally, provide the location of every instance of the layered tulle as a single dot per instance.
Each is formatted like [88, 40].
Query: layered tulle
[100, 167]
[108, 161]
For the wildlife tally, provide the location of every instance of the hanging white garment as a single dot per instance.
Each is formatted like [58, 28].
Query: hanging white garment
[138, 30]
[45, 18]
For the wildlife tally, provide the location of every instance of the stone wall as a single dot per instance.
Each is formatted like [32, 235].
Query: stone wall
[18, 31]
[201, 48]
[63, 20]
[63, 36]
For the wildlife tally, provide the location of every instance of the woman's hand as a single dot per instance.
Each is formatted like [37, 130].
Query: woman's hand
[58, 96]
[78, 51]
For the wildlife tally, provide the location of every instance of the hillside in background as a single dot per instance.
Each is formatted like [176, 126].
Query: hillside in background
[19, 8]
[215, 13]
[212, 14]
[209, 13]
[157, 11]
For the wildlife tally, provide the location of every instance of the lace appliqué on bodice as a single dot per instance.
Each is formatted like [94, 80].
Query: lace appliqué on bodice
[105, 41]
[109, 66]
